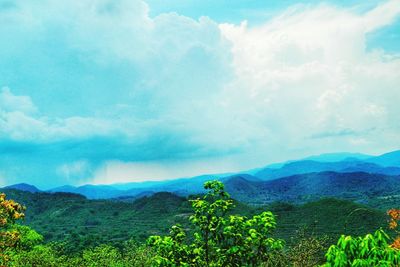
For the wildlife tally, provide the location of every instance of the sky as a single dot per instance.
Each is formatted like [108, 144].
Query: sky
[110, 91]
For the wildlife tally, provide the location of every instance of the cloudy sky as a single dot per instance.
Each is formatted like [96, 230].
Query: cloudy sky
[104, 91]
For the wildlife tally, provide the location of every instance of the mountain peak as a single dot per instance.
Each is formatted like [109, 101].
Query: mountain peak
[24, 187]
[334, 157]
[388, 159]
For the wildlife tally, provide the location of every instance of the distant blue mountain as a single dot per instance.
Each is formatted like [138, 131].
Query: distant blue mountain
[387, 164]
[334, 157]
[358, 186]
[182, 187]
[91, 191]
[327, 157]
[24, 187]
[391, 159]
[309, 166]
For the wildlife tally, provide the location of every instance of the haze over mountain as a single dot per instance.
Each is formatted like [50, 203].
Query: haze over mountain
[312, 177]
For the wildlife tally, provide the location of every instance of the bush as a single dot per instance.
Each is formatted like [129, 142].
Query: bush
[306, 249]
[371, 250]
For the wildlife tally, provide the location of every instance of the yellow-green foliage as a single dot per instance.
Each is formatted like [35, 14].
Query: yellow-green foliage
[102, 256]
[371, 250]
[10, 211]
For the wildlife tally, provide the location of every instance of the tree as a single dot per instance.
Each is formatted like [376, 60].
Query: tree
[103, 255]
[137, 255]
[394, 215]
[10, 211]
[219, 239]
[39, 255]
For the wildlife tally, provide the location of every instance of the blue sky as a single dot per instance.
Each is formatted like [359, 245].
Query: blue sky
[100, 91]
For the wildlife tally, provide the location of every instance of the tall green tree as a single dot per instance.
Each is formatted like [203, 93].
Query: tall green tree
[219, 239]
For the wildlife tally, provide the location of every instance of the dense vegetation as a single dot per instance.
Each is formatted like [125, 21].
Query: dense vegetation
[81, 223]
[207, 232]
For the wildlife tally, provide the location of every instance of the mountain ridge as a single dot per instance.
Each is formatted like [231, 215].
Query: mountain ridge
[348, 162]
[24, 187]
[301, 188]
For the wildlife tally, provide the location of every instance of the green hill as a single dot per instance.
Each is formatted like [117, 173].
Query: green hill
[331, 217]
[82, 223]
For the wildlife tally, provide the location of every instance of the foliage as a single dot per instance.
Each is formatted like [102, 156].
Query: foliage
[10, 211]
[326, 217]
[103, 255]
[137, 255]
[306, 249]
[219, 239]
[78, 223]
[27, 248]
[209, 234]
[42, 255]
[371, 250]
[394, 225]
[28, 237]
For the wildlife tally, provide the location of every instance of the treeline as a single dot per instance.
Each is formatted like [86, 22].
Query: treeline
[217, 238]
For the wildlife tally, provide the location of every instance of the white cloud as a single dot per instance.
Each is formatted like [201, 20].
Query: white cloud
[300, 83]
[308, 72]
[173, 65]
[21, 120]
[10, 102]
[382, 15]
[302, 73]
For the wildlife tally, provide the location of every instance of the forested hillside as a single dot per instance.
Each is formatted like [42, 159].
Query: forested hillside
[213, 230]
[311, 210]
[83, 223]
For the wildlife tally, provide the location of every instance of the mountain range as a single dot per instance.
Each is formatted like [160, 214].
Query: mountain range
[301, 188]
[347, 175]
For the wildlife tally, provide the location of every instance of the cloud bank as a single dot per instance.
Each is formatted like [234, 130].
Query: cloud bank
[90, 83]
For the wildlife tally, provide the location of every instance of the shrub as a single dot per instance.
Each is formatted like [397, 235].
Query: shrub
[306, 249]
[371, 250]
